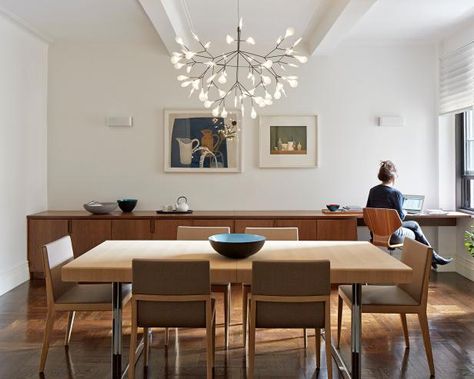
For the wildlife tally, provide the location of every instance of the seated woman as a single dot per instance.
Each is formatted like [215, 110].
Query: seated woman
[385, 196]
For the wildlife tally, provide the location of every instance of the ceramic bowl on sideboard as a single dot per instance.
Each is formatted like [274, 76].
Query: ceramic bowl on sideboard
[100, 208]
[236, 245]
[333, 207]
[127, 205]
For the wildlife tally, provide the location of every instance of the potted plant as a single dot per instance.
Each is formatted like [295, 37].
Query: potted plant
[469, 241]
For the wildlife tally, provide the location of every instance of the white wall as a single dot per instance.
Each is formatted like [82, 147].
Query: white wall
[348, 90]
[23, 126]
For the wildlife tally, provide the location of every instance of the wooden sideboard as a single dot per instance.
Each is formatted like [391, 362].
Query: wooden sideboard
[87, 230]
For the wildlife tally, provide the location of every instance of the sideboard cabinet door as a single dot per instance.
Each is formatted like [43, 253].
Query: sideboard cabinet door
[337, 230]
[240, 225]
[306, 228]
[41, 232]
[132, 229]
[86, 234]
[167, 229]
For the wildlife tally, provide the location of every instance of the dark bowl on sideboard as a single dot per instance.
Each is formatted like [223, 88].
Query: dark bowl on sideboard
[127, 205]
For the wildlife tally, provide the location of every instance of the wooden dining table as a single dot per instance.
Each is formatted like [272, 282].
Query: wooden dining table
[352, 262]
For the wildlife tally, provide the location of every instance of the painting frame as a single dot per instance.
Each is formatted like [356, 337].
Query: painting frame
[233, 147]
[271, 153]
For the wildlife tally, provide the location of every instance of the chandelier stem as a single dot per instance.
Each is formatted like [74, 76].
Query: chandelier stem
[238, 55]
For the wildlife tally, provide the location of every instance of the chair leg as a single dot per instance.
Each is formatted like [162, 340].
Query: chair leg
[403, 318]
[426, 340]
[227, 309]
[305, 338]
[214, 341]
[245, 292]
[70, 322]
[133, 342]
[167, 336]
[327, 337]
[251, 347]
[317, 340]
[47, 334]
[146, 345]
[209, 347]
[339, 320]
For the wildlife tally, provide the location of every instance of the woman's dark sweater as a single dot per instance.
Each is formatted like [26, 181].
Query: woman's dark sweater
[382, 196]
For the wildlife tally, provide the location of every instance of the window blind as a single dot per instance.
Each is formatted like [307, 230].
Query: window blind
[456, 83]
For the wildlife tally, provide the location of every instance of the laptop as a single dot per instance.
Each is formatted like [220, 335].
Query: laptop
[413, 204]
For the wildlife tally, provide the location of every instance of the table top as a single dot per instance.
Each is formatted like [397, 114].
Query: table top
[351, 261]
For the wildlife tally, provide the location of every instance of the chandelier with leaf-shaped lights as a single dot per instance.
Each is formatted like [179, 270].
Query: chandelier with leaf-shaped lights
[248, 77]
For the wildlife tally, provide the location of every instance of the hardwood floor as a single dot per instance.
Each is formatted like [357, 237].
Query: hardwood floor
[280, 353]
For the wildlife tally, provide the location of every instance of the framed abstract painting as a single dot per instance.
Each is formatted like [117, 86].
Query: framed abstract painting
[196, 141]
[288, 141]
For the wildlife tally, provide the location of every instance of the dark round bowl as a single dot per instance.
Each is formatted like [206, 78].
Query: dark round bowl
[333, 207]
[127, 205]
[236, 245]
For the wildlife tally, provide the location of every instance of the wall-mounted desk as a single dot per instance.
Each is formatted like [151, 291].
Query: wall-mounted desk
[88, 231]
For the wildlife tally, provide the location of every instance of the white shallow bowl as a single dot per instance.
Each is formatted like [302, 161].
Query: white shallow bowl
[99, 208]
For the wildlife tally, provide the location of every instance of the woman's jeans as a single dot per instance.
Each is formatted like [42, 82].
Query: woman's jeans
[409, 229]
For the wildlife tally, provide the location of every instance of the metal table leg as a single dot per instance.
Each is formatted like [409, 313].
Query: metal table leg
[117, 330]
[356, 330]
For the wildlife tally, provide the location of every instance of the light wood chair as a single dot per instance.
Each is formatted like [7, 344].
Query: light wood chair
[167, 293]
[69, 296]
[291, 295]
[271, 234]
[402, 298]
[203, 233]
[382, 223]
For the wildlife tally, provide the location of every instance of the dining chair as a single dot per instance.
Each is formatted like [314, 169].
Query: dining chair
[270, 234]
[401, 298]
[69, 296]
[289, 294]
[382, 223]
[203, 233]
[171, 293]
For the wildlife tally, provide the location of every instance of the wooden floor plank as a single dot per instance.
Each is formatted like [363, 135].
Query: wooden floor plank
[280, 353]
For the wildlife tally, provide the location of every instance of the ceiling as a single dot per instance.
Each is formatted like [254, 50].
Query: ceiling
[412, 20]
[83, 21]
[322, 23]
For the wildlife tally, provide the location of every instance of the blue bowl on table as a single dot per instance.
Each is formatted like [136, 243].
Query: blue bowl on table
[236, 245]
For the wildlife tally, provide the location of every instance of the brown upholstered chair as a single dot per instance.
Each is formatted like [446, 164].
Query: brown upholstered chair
[382, 223]
[291, 295]
[167, 293]
[69, 296]
[271, 234]
[203, 233]
[402, 298]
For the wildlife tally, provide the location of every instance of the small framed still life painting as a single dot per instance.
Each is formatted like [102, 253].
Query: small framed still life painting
[196, 141]
[288, 141]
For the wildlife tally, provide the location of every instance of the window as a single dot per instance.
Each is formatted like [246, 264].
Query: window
[465, 190]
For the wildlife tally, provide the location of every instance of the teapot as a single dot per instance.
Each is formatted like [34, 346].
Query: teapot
[182, 204]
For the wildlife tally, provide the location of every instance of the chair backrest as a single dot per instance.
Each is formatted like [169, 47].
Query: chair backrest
[200, 232]
[418, 257]
[55, 255]
[172, 278]
[382, 222]
[275, 234]
[289, 279]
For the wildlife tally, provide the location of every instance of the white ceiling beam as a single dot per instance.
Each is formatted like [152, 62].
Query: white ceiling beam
[331, 23]
[169, 20]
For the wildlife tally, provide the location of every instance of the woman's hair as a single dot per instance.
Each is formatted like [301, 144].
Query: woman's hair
[387, 171]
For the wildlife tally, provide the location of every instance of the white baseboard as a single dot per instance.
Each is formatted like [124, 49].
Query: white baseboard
[465, 266]
[13, 277]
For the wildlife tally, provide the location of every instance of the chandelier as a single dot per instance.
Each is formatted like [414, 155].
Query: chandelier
[250, 78]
